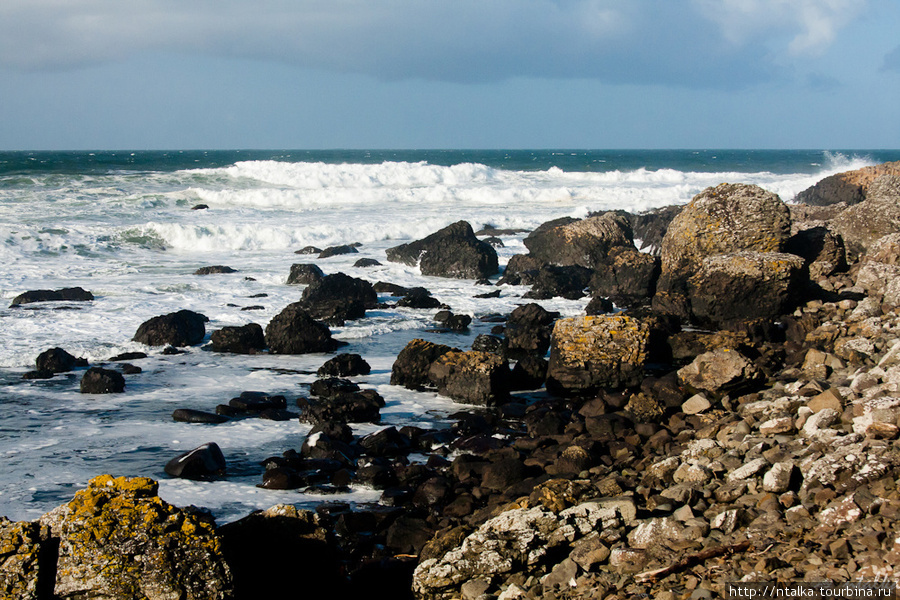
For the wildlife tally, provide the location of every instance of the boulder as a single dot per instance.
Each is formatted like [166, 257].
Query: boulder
[304, 273]
[308, 250]
[850, 187]
[338, 297]
[246, 339]
[189, 415]
[875, 217]
[553, 281]
[479, 378]
[118, 539]
[418, 297]
[822, 249]
[338, 250]
[721, 371]
[592, 353]
[74, 294]
[343, 407]
[521, 269]
[453, 322]
[295, 331]
[182, 328]
[24, 575]
[649, 228]
[214, 270]
[97, 380]
[529, 373]
[202, 463]
[414, 361]
[879, 273]
[528, 330]
[344, 365]
[55, 360]
[627, 278]
[584, 242]
[723, 219]
[454, 251]
[366, 262]
[727, 288]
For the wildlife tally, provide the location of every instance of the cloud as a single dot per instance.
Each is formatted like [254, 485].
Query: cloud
[695, 43]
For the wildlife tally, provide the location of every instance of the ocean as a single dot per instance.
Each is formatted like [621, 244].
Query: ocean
[120, 225]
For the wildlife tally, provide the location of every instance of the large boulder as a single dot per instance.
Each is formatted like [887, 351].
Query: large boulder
[246, 339]
[850, 187]
[879, 273]
[719, 372]
[97, 380]
[585, 242]
[821, 248]
[480, 378]
[591, 353]
[202, 463]
[55, 360]
[182, 328]
[728, 288]
[411, 367]
[875, 217]
[627, 278]
[118, 539]
[723, 219]
[24, 574]
[304, 273]
[454, 251]
[295, 331]
[528, 330]
[338, 297]
[74, 294]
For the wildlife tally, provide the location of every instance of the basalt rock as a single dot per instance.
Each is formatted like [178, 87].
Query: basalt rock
[822, 249]
[850, 187]
[451, 252]
[305, 274]
[214, 270]
[182, 328]
[594, 353]
[878, 215]
[338, 250]
[55, 360]
[202, 463]
[74, 294]
[414, 361]
[472, 377]
[345, 365]
[97, 380]
[552, 281]
[528, 330]
[338, 297]
[295, 331]
[118, 539]
[627, 278]
[418, 297]
[585, 242]
[879, 273]
[246, 339]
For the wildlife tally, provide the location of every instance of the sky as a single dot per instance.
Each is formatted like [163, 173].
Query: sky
[322, 74]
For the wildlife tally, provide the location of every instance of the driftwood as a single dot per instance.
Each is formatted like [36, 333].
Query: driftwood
[693, 559]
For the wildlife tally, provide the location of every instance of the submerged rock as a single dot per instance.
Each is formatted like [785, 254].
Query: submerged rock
[73, 294]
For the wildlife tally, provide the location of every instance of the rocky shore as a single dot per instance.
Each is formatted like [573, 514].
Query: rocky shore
[727, 410]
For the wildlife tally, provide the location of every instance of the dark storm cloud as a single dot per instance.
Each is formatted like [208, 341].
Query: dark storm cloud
[693, 43]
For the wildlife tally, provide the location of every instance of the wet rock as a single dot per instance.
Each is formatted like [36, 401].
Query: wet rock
[337, 251]
[308, 250]
[295, 331]
[348, 407]
[344, 365]
[628, 278]
[245, 339]
[528, 330]
[453, 322]
[97, 380]
[202, 463]
[214, 270]
[451, 252]
[118, 539]
[418, 297]
[337, 298]
[304, 273]
[414, 361]
[189, 415]
[472, 377]
[594, 353]
[489, 343]
[567, 281]
[74, 294]
[182, 328]
[364, 263]
[55, 360]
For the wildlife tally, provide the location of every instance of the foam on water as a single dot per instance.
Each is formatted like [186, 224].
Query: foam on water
[130, 237]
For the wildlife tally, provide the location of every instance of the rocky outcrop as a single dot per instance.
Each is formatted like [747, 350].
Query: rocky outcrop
[585, 242]
[337, 298]
[879, 273]
[294, 331]
[25, 569]
[55, 360]
[74, 294]
[244, 339]
[588, 354]
[182, 328]
[118, 539]
[471, 377]
[875, 217]
[528, 330]
[412, 365]
[344, 365]
[627, 278]
[454, 251]
[850, 187]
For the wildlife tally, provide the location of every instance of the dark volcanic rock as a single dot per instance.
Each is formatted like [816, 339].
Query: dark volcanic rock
[203, 462]
[529, 373]
[308, 250]
[528, 330]
[190, 415]
[246, 339]
[521, 269]
[294, 331]
[418, 297]
[451, 252]
[345, 365]
[366, 262]
[552, 281]
[351, 407]
[628, 277]
[55, 360]
[337, 251]
[650, 227]
[214, 270]
[74, 294]
[182, 328]
[472, 377]
[102, 381]
[304, 273]
[338, 297]
[412, 364]
[398, 291]
[453, 322]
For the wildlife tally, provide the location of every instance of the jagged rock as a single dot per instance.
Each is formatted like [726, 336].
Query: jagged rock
[472, 377]
[453, 322]
[521, 269]
[567, 281]
[585, 243]
[202, 463]
[347, 407]
[744, 286]
[720, 371]
[214, 270]
[592, 353]
[294, 331]
[627, 278]
[822, 249]
[73, 294]
[55, 360]
[102, 381]
[24, 571]
[246, 339]
[650, 227]
[344, 365]
[876, 216]
[118, 539]
[879, 273]
[528, 330]
[850, 187]
[451, 252]
[182, 328]
[414, 361]
[304, 273]
[338, 297]
[418, 297]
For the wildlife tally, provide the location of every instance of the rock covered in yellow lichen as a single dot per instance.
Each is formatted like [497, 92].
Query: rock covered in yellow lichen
[596, 352]
[119, 539]
[21, 575]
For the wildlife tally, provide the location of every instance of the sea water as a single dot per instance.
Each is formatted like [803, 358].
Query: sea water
[120, 225]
